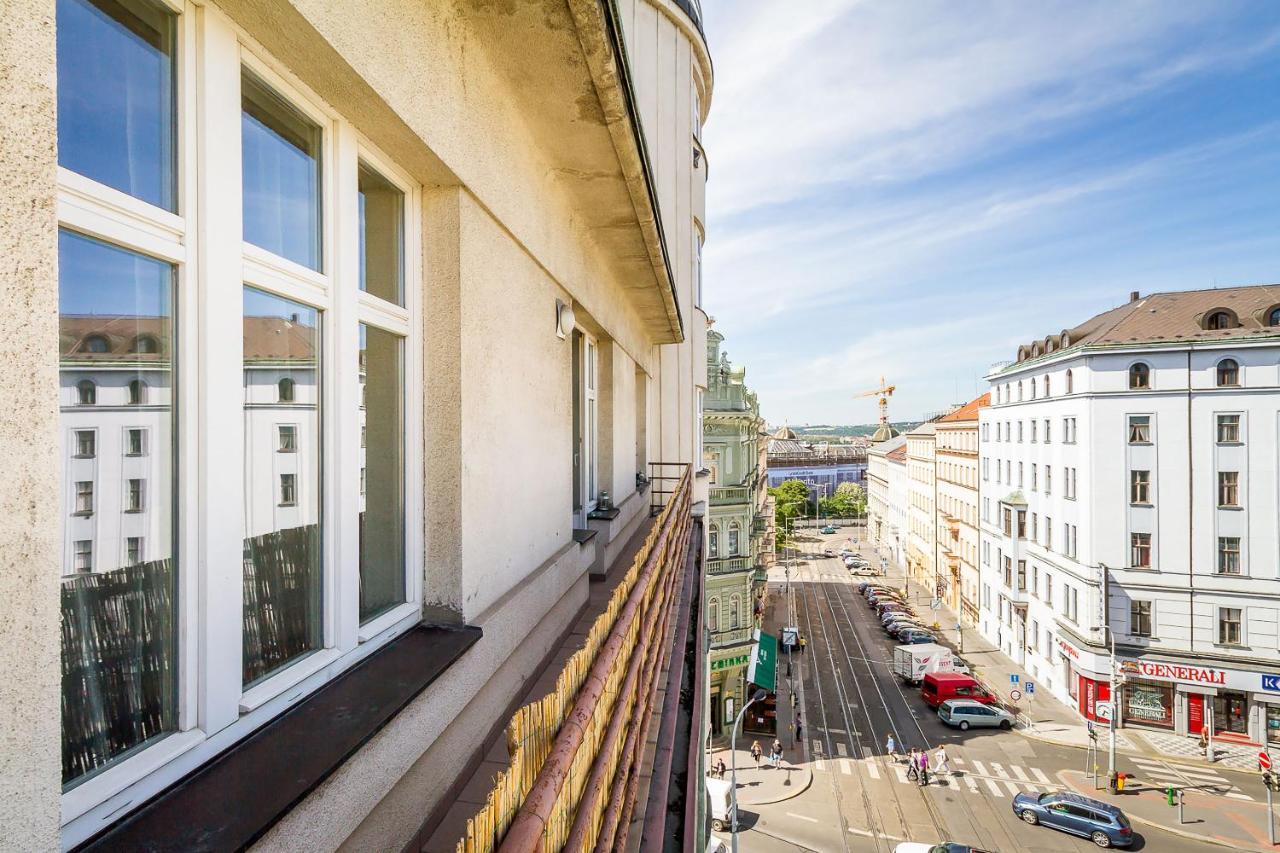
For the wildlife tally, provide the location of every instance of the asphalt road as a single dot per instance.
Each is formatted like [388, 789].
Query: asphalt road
[859, 800]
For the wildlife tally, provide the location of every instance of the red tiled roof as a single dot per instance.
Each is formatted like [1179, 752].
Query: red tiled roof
[898, 454]
[969, 411]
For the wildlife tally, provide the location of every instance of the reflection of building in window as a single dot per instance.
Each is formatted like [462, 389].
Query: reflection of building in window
[83, 555]
[137, 392]
[87, 393]
[288, 438]
[84, 497]
[287, 496]
[133, 550]
[285, 390]
[133, 501]
[86, 443]
[135, 442]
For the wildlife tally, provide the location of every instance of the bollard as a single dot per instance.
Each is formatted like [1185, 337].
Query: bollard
[1168, 795]
[1180, 820]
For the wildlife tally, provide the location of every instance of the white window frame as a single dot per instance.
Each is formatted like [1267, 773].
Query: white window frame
[589, 380]
[204, 243]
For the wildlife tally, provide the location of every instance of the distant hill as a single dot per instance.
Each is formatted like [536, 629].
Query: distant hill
[843, 430]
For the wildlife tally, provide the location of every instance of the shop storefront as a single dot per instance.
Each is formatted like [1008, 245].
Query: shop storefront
[1147, 703]
[728, 670]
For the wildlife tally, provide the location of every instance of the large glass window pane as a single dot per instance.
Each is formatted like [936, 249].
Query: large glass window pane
[382, 567]
[281, 166]
[116, 96]
[119, 666]
[381, 237]
[282, 561]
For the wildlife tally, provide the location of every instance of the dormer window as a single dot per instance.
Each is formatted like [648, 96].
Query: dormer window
[1273, 316]
[145, 344]
[1139, 377]
[1228, 373]
[95, 343]
[1220, 319]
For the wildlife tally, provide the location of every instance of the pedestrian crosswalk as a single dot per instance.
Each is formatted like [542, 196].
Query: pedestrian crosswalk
[974, 777]
[1159, 773]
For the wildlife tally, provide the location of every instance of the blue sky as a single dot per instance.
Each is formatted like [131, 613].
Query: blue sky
[914, 188]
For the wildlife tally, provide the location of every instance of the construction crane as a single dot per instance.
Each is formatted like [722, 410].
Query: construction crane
[884, 392]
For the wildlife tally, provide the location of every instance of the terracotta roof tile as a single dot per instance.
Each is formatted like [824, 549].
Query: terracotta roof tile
[969, 411]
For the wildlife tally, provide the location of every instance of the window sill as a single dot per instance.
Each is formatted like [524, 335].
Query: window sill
[286, 504]
[1230, 507]
[231, 801]
[82, 513]
[379, 625]
[283, 681]
[113, 780]
[133, 512]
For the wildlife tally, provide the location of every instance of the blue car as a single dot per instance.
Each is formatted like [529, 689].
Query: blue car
[1102, 823]
[915, 637]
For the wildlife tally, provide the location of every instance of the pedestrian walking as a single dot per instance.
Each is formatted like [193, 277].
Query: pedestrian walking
[891, 748]
[720, 768]
[756, 752]
[804, 642]
[923, 758]
[776, 755]
[1204, 740]
[913, 768]
[799, 729]
[940, 761]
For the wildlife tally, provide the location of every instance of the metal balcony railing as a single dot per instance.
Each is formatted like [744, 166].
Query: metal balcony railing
[731, 637]
[721, 495]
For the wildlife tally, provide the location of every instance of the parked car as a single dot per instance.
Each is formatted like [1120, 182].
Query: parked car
[944, 847]
[898, 627]
[916, 635]
[961, 666]
[938, 687]
[863, 572]
[966, 714]
[828, 530]
[1102, 823]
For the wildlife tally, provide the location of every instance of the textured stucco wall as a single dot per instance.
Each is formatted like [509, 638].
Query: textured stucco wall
[30, 776]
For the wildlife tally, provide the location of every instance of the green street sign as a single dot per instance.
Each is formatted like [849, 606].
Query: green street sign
[726, 663]
[763, 670]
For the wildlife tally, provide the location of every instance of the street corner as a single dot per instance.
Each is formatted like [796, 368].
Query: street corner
[1204, 816]
[768, 785]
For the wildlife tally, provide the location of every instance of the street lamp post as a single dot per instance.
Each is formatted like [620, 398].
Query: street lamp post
[733, 757]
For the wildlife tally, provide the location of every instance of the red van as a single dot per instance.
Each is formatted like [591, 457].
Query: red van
[938, 687]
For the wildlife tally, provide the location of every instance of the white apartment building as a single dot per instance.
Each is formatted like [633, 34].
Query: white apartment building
[956, 476]
[887, 497]
[922, 536]
[1130, 490]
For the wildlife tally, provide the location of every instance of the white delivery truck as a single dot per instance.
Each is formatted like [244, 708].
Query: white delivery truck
[910, 663]
[723, 816]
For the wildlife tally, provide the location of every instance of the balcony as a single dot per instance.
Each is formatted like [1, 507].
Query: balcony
[760, 524]
[728, 565]
[731, 637]
[725, 495]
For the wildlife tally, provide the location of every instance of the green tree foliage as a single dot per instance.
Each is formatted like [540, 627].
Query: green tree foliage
[850, 500]
[790, 500]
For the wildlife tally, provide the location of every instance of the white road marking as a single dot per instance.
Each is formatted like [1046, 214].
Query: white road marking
[819, 764]
[1040, 777]
[1014, 790]
[958, 760]
[865, 834]
[802, 817]
[844, 767]
[994, 788]
[1208, 775]
[900, 772]
[1017, 771]
[835, 731]
[972, 783]
[840, 748]
[872, 770]
[1233, 795]
[982, 771]
[998, 770]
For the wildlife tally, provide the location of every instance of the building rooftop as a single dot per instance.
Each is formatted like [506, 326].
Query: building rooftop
[1188, 316]
[967, 412]
[898, 454]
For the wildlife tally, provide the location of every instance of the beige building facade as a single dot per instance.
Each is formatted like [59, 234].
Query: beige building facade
[958, 502]
[922, 538]
[468, 239]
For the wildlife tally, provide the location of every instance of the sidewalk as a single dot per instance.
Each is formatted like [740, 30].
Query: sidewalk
[1045, 717]
[765, 784]
[1209, 818]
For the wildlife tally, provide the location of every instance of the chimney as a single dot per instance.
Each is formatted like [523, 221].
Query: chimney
[1133, 296]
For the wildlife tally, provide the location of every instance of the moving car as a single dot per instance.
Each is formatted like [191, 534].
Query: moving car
[828, 530]
[938, 687]
[864, 571]
[944, 847]
[966, 714]
[1102, 823]
[911, 663]
[723, 814]
[827, 552]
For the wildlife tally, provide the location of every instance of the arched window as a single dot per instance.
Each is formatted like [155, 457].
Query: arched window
[1019, 390]
[145, 344]
[713, 546]
[1046, 385]
[1033, 388]
[1070, 387]
[95, 343]
[137, 392]
[1219, 320]
[86, 392]
[735, 611]
[713, 615]
[734, 530]
[1139, 376]
[1228, 372]
[286, 390]
[1273, 316]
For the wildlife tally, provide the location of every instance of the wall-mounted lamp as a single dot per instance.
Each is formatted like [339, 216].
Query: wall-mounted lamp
[564, 319]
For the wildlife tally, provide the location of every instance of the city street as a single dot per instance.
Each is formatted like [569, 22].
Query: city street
[861, 800]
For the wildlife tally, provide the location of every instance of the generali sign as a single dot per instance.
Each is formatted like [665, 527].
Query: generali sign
[1174, 672]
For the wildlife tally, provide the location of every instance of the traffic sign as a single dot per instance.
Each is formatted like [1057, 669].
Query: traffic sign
[1013, 678]
[1102, 710]
[1030, 687]
[1264, 760]
[1015, 695]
